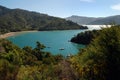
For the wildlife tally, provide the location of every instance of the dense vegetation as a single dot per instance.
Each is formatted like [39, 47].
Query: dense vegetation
[85, 37]
[18, 20]
[27, 63]
[100, 60]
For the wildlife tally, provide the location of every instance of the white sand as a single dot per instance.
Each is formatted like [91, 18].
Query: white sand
[13, 34]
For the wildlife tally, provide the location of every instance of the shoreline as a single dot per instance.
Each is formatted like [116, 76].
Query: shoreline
[6, 35]
[9, 34]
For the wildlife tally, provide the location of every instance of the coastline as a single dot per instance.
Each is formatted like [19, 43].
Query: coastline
[6, 35]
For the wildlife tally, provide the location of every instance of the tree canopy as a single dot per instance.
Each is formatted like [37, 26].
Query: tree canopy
[101, 59]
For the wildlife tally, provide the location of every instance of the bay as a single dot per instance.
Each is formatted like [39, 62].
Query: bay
[56, 42]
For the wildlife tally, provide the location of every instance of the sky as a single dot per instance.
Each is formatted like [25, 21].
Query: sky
[66, 8]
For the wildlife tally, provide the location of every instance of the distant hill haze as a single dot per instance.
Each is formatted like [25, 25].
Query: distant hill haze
[95, 21]
[18, 20]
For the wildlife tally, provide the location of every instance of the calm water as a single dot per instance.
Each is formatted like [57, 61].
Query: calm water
[53, 40]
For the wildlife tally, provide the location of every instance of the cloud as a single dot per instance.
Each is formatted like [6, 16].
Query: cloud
[87, 0]
[116, 7]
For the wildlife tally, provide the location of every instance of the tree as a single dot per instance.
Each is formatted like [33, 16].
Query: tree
[39, 46]
[101, 59]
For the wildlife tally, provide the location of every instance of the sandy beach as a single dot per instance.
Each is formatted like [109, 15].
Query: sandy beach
[13, 34]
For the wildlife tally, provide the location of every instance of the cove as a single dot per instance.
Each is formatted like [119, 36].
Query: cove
[56, 42]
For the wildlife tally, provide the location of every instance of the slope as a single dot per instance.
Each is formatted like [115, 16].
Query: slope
[18, 19]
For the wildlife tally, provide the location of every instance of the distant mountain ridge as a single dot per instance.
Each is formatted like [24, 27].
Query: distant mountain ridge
[95, 21]
[19, 19]
[107, 20]
[81, 19]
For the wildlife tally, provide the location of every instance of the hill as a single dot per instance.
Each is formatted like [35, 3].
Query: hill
[81, 20]
[85, 37]
[100, 59]
[95, 21]
[18, 19]
[107, 20]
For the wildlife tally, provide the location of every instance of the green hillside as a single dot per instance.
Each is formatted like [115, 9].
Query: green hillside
[18, 20]
[100, 60]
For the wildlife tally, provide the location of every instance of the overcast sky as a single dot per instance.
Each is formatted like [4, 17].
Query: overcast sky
[65, 8]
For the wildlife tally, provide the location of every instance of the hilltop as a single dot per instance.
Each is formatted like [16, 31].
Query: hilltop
[95, 21]
[12, 20]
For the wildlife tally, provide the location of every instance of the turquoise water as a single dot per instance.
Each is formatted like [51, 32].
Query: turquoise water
[53, 40]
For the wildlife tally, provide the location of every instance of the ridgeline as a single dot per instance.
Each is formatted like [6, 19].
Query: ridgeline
[12, 20]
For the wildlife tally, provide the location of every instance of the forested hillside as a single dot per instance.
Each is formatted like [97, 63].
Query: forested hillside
[85, 37]
[100, 60]
[27, 63]
[18, 20]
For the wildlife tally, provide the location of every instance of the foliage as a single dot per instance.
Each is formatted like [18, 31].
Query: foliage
[101, 59]
[27, 63]
[12, 20]
[85, 37]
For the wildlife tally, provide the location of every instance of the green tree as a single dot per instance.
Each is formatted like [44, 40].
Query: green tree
[101, 59]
